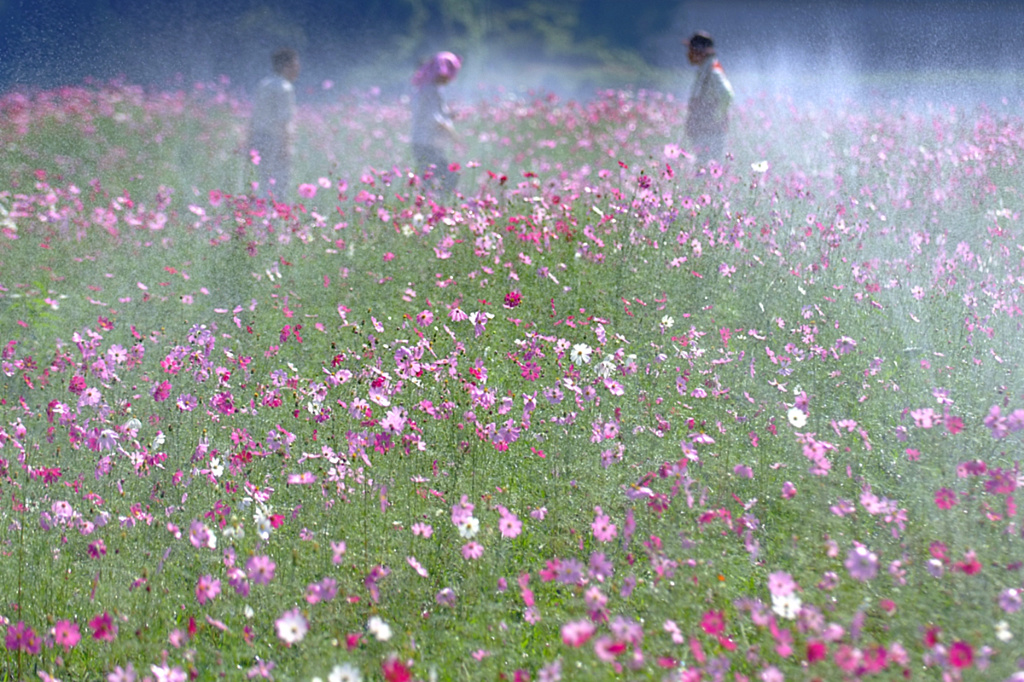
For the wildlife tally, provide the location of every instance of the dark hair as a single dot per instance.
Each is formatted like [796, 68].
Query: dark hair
[701, 40]
[283, 58]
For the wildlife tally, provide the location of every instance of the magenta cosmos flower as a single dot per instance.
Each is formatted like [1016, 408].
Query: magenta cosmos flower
[21, 637]
[103, 627]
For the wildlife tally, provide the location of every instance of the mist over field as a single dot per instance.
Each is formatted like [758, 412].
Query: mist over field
[941, 50]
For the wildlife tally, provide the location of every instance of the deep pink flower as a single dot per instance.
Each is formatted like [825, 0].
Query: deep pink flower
[713, 622]
[816, 651]
[162, 391]
[395, 671]
[77, 385]
[222, 402]
[961, 654]
[103, 627]
[945, 498]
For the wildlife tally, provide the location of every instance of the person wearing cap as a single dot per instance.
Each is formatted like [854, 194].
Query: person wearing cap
[432, 127]
[707, 118]
[272, 131]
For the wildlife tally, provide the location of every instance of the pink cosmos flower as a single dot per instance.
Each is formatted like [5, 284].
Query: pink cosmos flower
[603, 528]
[862, 563]
[446, 597]
[788, 490]
[120, 674]
[165, 673]
[200, 536]
[260, 569]
[576, 633]
[472, 550]
[509, 525]
[417, 566]
[394, 421]
[207, 588]
[1010, 600]
[66, 634]
[307, 190]
[325, 590]
[994, 421]
[847, 658]
[781, 584]
[924, 418]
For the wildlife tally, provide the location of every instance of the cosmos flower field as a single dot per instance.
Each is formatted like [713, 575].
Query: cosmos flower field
[605, 414]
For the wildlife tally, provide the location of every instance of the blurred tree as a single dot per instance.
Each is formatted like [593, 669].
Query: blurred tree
[586, 31]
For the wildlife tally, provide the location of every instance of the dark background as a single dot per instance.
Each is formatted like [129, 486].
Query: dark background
[572, 45]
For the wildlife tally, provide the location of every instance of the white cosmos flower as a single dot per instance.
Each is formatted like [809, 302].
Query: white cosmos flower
[580, 354]
[292, 626]
[605, 368]
[667, 321]
[796, 417]
[786, 606]
[262, 522]
[345, 672]
[469, 528]
[379, 629]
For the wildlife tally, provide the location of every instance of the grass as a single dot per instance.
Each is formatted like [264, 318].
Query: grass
[595, 332]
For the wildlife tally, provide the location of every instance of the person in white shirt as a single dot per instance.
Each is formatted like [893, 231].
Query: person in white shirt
[707, 118]
[432, 127]
[272, 131]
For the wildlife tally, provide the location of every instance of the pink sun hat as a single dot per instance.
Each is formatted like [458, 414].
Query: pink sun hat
[442, 66]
